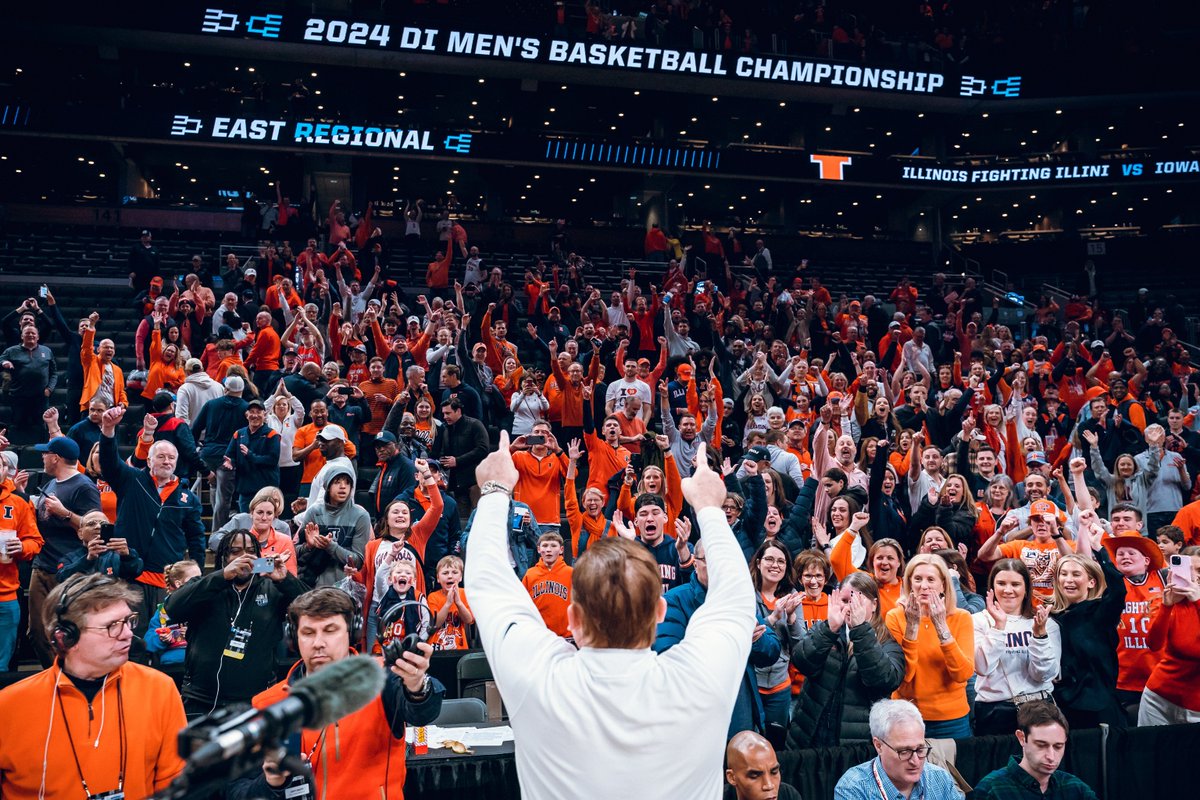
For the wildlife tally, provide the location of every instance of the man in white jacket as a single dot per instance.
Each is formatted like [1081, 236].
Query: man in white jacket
[614, 698]
[198, 388]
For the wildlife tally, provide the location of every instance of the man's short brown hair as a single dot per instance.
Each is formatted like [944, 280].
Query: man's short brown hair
[617, 587]
[85, 594]
[322, 603]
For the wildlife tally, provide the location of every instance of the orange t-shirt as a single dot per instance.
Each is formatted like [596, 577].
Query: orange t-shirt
[540, 484]
[453, 633]
[313, 462]
[632, 427]
[551, 593]
[1135, 657]
[1041, 558]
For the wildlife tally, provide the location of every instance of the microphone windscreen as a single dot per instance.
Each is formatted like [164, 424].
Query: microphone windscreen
[340, 689]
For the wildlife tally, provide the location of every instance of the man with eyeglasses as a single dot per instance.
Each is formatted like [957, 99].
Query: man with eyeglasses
[93, 724]
[901, 770]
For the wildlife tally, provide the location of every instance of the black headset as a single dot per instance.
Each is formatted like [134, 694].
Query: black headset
[394, 647]
[65, 633]
[354, 624]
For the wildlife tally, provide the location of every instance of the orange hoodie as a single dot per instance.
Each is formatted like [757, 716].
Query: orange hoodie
[16, 514]
[550, 589]
[936, 674]
[540, 484]
[153, 715]
[579, 521]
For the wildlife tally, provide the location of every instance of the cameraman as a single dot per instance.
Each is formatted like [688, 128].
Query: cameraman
[361, 755]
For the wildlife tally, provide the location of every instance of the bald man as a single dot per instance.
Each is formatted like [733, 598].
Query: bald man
[752, 770]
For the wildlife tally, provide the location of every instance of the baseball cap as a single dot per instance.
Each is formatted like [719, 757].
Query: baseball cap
[291, 351]
[1042, 507]
[1041, 347]
[193, 365]
[145, 233]
[256, 403]
[224, 332]
[385, 437]
[162, 401]
[758, 453]
[834, 397]
[643, 362]
[1097, 344]
[893, 324]
[332, 432]
[252, 271]
[234, 384]
[61, 446]
[156, 281]
[796, 423]
[362, 348]
[1036, 457]
[413, 319]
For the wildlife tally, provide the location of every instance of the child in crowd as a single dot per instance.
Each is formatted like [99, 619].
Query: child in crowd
[451, 613]
[1170, 540]
[107, 556]
[402, 581]
[166, 639]
[549, 583]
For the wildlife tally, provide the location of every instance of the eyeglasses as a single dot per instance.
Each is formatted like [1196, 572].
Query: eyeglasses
[906, 753]
[730, 507]
[773, 560]
[116, 627]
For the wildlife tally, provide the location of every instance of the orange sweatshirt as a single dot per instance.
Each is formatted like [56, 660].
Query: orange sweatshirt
[814, 611]
[153, 715]
[16, 514]
[453, 633]
[1175, 633]
[550, 588]
[540, 484]
[603, 461]
[936, 674]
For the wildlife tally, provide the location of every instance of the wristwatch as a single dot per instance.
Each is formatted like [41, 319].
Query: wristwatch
[494, 486]
[423, 694]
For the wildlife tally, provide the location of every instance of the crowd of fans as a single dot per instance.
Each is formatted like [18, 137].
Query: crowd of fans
[933, 507]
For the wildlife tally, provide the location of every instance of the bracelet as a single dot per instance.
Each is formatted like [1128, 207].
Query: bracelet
[494, 486]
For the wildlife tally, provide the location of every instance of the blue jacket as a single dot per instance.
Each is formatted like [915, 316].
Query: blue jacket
[218, 420]
[682, 603]
[127, 568]
[258, 468]
[162, 532]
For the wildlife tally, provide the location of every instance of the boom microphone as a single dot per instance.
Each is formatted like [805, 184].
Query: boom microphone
[321, 699]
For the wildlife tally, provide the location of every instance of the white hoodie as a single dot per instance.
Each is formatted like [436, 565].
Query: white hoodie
[197, 390]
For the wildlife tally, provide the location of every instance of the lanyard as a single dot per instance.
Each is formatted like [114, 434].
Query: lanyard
[878, 781]
[120, 732]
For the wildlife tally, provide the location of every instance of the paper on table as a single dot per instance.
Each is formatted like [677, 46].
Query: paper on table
[471, 737]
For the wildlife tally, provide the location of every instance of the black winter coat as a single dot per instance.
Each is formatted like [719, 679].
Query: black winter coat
[839, 687]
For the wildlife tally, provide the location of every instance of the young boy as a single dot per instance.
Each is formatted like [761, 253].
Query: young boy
[1170, 540]
[402, 579]
[113, 557]
[549, 583]
[451, 614]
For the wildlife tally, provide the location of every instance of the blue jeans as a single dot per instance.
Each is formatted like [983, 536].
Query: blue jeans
[949, 728]
[777, 707]
[10, 620]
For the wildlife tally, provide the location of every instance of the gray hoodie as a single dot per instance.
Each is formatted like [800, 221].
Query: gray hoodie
[349, 525]
[197, 390]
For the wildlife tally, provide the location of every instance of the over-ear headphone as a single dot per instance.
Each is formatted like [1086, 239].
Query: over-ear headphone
[395, 647]
[354, 623]
[65, 633]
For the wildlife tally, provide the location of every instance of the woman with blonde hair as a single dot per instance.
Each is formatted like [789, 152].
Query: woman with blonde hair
[262, 520]
[588, 524]
[938, 640]
[1089, 598]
